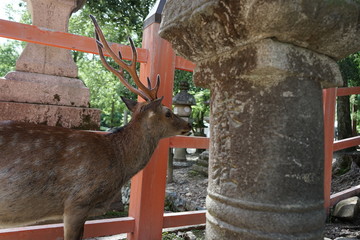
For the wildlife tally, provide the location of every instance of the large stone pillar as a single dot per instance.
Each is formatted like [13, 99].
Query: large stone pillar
[265, 63]
[45, 88]
[54, 15]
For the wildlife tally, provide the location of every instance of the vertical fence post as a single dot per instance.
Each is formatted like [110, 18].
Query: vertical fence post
[329, 102]
[148, 186]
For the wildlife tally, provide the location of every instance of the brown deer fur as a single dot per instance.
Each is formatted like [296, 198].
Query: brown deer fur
[52, 172]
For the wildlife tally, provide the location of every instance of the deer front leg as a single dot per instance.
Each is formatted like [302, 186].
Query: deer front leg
[74, 220]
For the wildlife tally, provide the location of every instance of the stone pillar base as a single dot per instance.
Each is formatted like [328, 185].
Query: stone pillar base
[180, 155]
[62, 116]
[44, 89]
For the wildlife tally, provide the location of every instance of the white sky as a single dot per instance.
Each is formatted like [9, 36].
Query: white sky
[3, 4]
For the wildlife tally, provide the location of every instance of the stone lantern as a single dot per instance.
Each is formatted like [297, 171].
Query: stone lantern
[182, 107]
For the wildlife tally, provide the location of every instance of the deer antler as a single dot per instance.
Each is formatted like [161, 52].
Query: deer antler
[147, 93]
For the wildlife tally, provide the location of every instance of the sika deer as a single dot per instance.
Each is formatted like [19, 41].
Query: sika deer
[51, 172]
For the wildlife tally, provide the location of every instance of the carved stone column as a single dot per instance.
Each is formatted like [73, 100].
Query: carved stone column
[37, 58]
[265, 63]
[44, 88]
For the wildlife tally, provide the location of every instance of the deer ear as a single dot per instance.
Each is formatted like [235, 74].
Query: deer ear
[130, 104]
[153, 104]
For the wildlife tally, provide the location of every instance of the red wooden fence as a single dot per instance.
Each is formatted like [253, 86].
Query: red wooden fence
[146, 215]
[329, 99]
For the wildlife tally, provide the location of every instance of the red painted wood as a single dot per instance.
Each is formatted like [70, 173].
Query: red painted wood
[183, 64]
[189, 142]
[348, 91]
[43, 232]
[106, 227]
[34, 34]
[184, 219]
[329, 101]
[353, 191]
[346, 143]
[148, 186]
[94, 228]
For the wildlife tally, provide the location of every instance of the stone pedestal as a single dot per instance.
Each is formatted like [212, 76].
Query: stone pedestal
[44, 88]
[180, 154]
[265, 63]
[54, 15]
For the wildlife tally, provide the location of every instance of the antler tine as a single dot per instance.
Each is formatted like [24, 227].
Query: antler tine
[136, 79]
[103, 44]
[153, 91]
[121, 76]
[148, 82]
[156, 88]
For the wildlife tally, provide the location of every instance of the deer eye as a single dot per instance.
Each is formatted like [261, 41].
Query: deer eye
[168, 114]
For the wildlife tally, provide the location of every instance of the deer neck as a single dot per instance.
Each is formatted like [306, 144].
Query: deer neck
[133, 146]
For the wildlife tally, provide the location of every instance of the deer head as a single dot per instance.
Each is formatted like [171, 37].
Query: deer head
[157, 114]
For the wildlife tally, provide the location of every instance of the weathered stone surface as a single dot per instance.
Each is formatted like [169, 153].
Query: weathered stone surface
[266, 63]
[70, 117]
[199, 29]
[262, 61]
[266, 148]
[347, 209]
[37, 58]
[43, 89]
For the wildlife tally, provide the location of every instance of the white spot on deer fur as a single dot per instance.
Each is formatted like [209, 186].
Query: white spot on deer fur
[37, 162]
[37, 143]
[15, 140]
[26, 148]
[18, 161]
[151, 114]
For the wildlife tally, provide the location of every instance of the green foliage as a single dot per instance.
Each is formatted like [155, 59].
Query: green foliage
[350, 69]
[171, 236]
[118, 21]
[11, 49]
[201, 109]
[105, 90]
[8, 58]
[184, 76]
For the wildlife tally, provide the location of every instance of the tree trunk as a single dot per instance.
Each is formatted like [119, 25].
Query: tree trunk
[343, 116]
[344, 129]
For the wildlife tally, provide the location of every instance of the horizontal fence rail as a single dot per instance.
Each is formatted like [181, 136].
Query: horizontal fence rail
[93, 228]
[189, 142]
[34, 34]
[96, 228]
